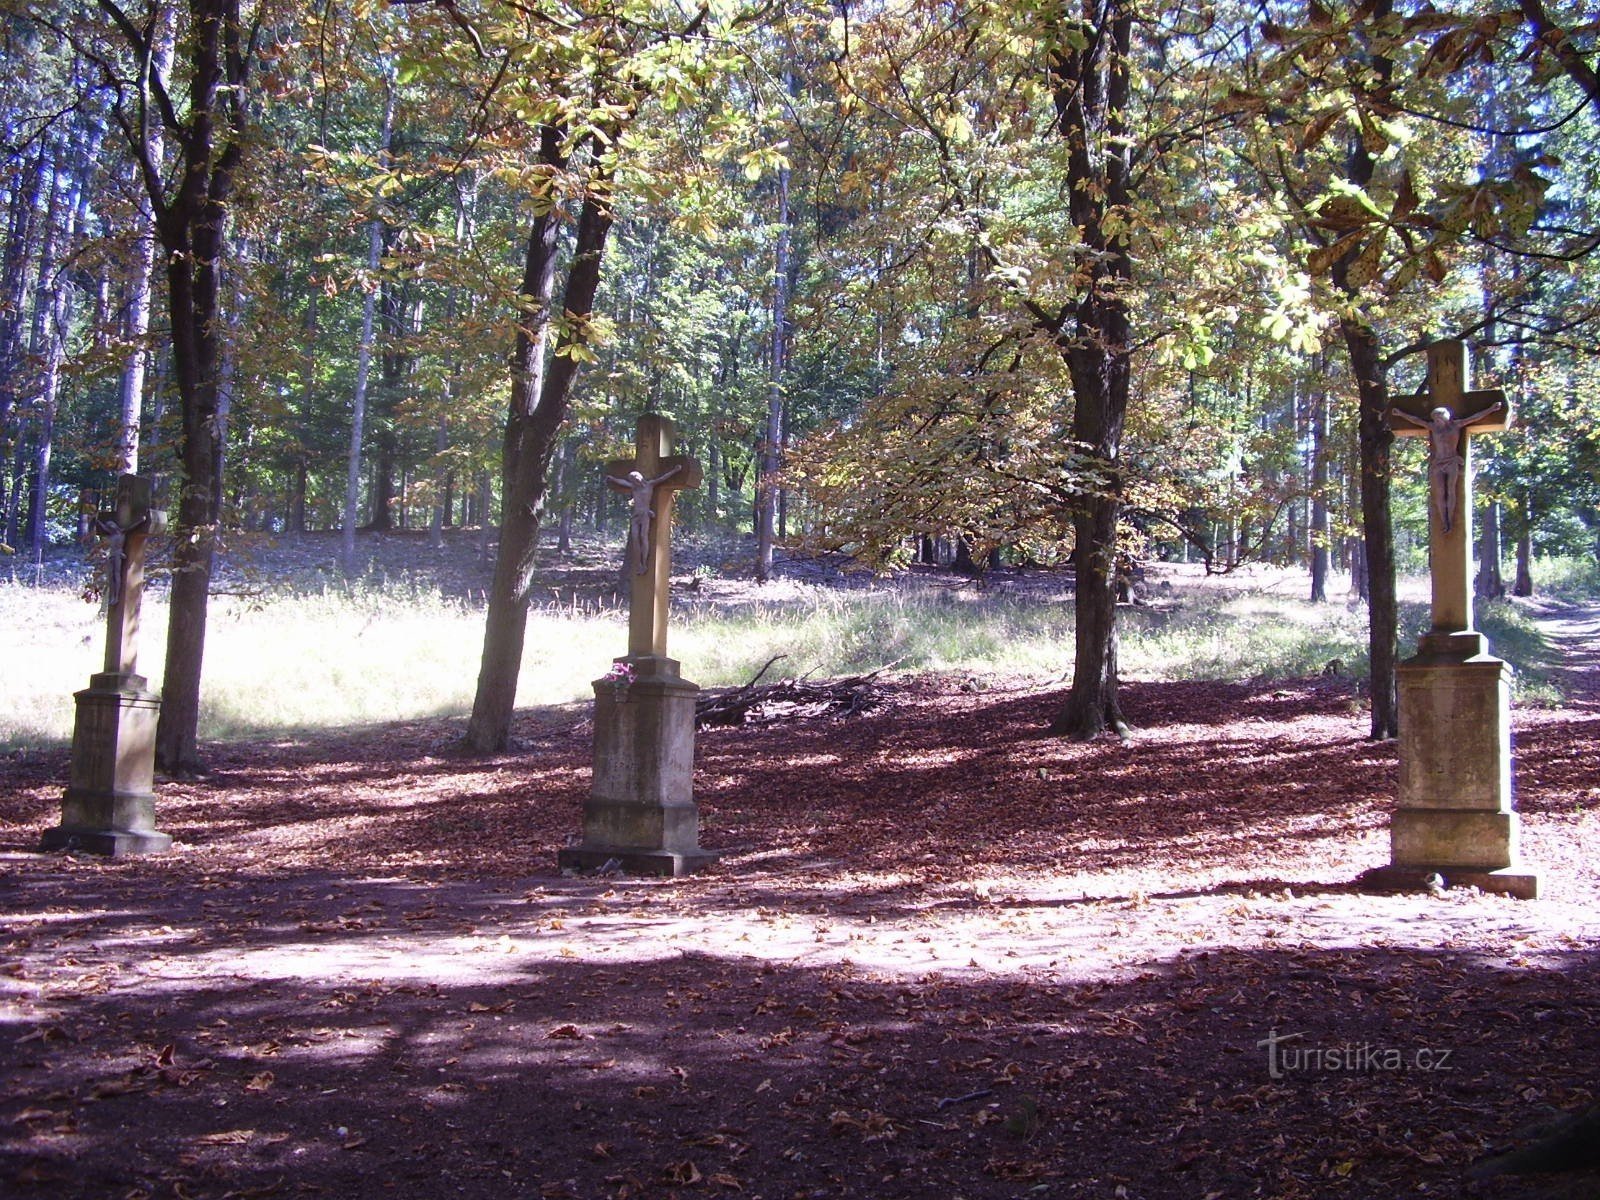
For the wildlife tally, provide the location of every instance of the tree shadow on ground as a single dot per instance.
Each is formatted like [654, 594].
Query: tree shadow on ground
[205, 1039]
[361, 969]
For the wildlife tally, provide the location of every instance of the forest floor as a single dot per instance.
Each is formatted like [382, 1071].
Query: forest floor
[943, 955]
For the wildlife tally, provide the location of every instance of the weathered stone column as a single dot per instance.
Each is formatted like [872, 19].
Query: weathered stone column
[641, 816]
[109, 806]
[1455, 817]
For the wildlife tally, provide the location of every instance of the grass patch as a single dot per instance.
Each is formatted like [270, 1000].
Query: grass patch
[372, 653]
[1244, 635]
[1568, 577]
[830, 633]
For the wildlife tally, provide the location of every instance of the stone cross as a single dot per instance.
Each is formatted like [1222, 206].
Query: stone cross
[660, 473]
[126, 527]
[1436, 413]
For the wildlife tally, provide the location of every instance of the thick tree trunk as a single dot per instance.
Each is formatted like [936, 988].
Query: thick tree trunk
[1092, 706]
[1092, 92]
[1524, 581]
[540, 391]
[1375, 438]
[1490, 584]
[196, 324]
[192, 225]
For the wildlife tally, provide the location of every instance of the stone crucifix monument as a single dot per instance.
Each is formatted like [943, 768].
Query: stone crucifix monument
[1454, 816]
[640, 815]
[110, 805]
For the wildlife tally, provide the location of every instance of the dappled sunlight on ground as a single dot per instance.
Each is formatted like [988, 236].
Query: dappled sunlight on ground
[943, 954]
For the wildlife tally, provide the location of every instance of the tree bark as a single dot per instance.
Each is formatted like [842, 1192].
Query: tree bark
[1383, 611]
[771, 442]
[358, 399]
[47, 343]
[1524, 581]
[191, 224]
[1092, 91]
[1490, 584]
[1319, 495]
[1374, 437]
[26, 188]
[541, 385]
[141, 274]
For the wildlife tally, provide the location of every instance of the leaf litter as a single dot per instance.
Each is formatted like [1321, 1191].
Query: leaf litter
[958, 958]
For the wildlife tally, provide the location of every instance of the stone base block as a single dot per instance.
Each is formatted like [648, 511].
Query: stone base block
[669, 863]
[1446, 839]
[112, 843]
[640, 817]
[641, 825]
[1455, 731]
[1520, 883]
[109, 806]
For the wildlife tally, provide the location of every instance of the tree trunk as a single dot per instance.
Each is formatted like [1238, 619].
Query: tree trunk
[1319, 495]
[1092, 705]
[767, 478]
[541, 386]
[191, 225]
[1374, 439]
[358, 401]
[141, 274]
[441, 478]
[1524, 582]
[26, 188]
[1383, 611]
[1090, 78]
[713, 480]
[569, 502]
[227, 375]
[485, 504]
[294, 520]
[1490, 584]
[47, 344]
[19, 474]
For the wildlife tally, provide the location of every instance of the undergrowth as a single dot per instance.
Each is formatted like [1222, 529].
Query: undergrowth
[400, 649]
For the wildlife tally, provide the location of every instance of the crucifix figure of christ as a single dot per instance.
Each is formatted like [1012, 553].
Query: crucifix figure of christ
[642, 493]
[651, 478]
[1431, 414]
[126, 526]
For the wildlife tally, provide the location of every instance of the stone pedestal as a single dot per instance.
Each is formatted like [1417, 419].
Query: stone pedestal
[110, 805]
[641, 812]
[1455, 817]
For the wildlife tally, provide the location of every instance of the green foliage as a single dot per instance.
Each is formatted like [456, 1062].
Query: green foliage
[930, 228]
[1568, 577]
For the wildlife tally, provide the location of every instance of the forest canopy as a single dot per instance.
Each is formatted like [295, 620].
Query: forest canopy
[1029, 281]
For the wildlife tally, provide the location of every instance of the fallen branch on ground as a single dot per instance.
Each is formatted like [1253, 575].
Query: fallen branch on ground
[788, 699]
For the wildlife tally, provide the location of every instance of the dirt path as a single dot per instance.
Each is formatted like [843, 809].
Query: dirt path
[1573, 631]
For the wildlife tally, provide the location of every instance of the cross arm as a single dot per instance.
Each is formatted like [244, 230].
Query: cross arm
[1410, 416]
[675, 472]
